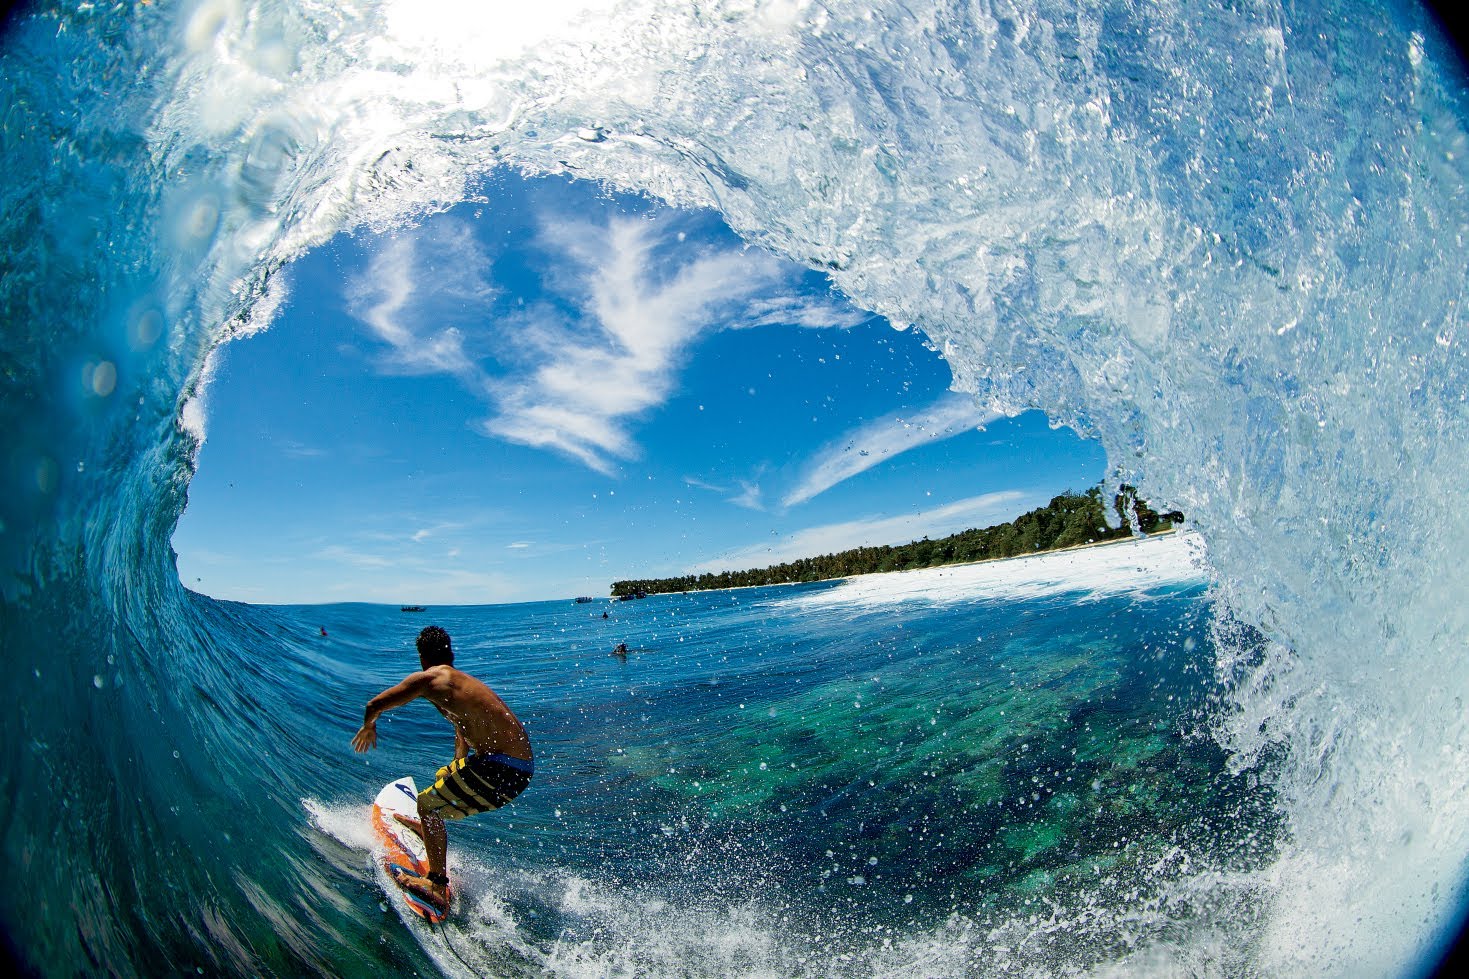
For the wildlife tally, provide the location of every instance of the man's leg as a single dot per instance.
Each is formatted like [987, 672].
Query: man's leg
[411, 822]
[435, 838]
[436, 842]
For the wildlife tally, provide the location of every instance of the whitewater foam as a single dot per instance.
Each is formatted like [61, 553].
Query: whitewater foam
[1119, 567]
[598, 930]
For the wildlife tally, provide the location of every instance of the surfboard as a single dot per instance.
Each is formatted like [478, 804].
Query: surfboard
[402, 849]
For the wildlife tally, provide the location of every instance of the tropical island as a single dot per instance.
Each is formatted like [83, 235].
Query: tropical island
[1069, 520]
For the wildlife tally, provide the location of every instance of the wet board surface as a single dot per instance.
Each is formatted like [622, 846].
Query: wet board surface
[402, 849]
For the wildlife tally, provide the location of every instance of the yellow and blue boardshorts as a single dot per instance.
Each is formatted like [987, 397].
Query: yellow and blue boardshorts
[478, 783]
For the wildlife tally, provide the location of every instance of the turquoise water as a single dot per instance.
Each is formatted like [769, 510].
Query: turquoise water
[776, 783]
[1227, 241]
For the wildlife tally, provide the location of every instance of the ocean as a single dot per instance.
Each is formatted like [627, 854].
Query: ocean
[960, 771]
[1227, 241]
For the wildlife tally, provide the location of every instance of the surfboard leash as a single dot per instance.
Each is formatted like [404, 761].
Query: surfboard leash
[443, 930]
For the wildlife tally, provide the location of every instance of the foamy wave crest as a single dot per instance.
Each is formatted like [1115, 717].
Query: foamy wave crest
[510, 922]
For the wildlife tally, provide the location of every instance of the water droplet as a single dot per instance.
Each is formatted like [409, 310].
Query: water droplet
[104, 379]
[45, 475]
[145, 330]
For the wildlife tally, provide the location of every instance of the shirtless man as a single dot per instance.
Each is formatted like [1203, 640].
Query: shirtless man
[499, 771]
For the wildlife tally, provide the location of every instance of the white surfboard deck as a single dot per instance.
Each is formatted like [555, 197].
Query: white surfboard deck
[402, 849]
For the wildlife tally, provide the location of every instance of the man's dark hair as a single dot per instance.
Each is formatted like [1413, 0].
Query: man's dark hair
[434, 648]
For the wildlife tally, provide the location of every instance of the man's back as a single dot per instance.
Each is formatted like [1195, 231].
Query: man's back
[477, 712]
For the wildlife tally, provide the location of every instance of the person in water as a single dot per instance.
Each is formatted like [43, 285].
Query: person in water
[499, 770]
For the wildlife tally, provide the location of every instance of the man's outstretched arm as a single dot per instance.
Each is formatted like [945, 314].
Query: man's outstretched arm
[413, 686]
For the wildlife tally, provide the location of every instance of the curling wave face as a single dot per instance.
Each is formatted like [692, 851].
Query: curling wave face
[1230, 244]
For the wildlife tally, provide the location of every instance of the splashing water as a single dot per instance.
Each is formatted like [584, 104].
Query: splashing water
[1229, 243]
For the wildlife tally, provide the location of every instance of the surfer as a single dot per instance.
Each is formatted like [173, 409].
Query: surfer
[499, 770]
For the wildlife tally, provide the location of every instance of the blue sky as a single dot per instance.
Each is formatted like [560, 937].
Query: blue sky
[553, 387]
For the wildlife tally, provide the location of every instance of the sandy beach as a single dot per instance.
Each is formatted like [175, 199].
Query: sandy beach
[1107, 567]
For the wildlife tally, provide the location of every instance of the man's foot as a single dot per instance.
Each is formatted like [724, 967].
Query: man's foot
[435, 894]
[413, 824]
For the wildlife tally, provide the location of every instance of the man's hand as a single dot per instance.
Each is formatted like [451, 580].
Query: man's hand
[366, 738]
[414, 685]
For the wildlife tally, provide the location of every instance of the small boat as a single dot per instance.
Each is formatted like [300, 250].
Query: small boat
[411, 608]
[583, 599]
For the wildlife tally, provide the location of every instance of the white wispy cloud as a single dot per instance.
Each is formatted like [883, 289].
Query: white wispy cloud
[745, 493]
[748, 497]
[975, 511]
[624, 302]
[637, 305]
[411, 557]
[353, 557]
[427, 583]
[408, 285]
[880, 440]
[794, 311]
[300, 450]
[698, 483]
[427, 529]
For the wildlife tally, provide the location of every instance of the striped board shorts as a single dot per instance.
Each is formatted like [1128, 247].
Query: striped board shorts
[479, 783]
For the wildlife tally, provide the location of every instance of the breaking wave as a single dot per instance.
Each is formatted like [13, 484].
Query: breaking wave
[1228, 242]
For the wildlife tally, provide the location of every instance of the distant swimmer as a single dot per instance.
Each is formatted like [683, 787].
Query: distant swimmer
[604, 615]
[620, 650]
[499, 770]
[323, 631]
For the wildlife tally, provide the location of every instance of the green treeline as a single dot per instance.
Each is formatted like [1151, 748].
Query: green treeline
[1068, 520]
